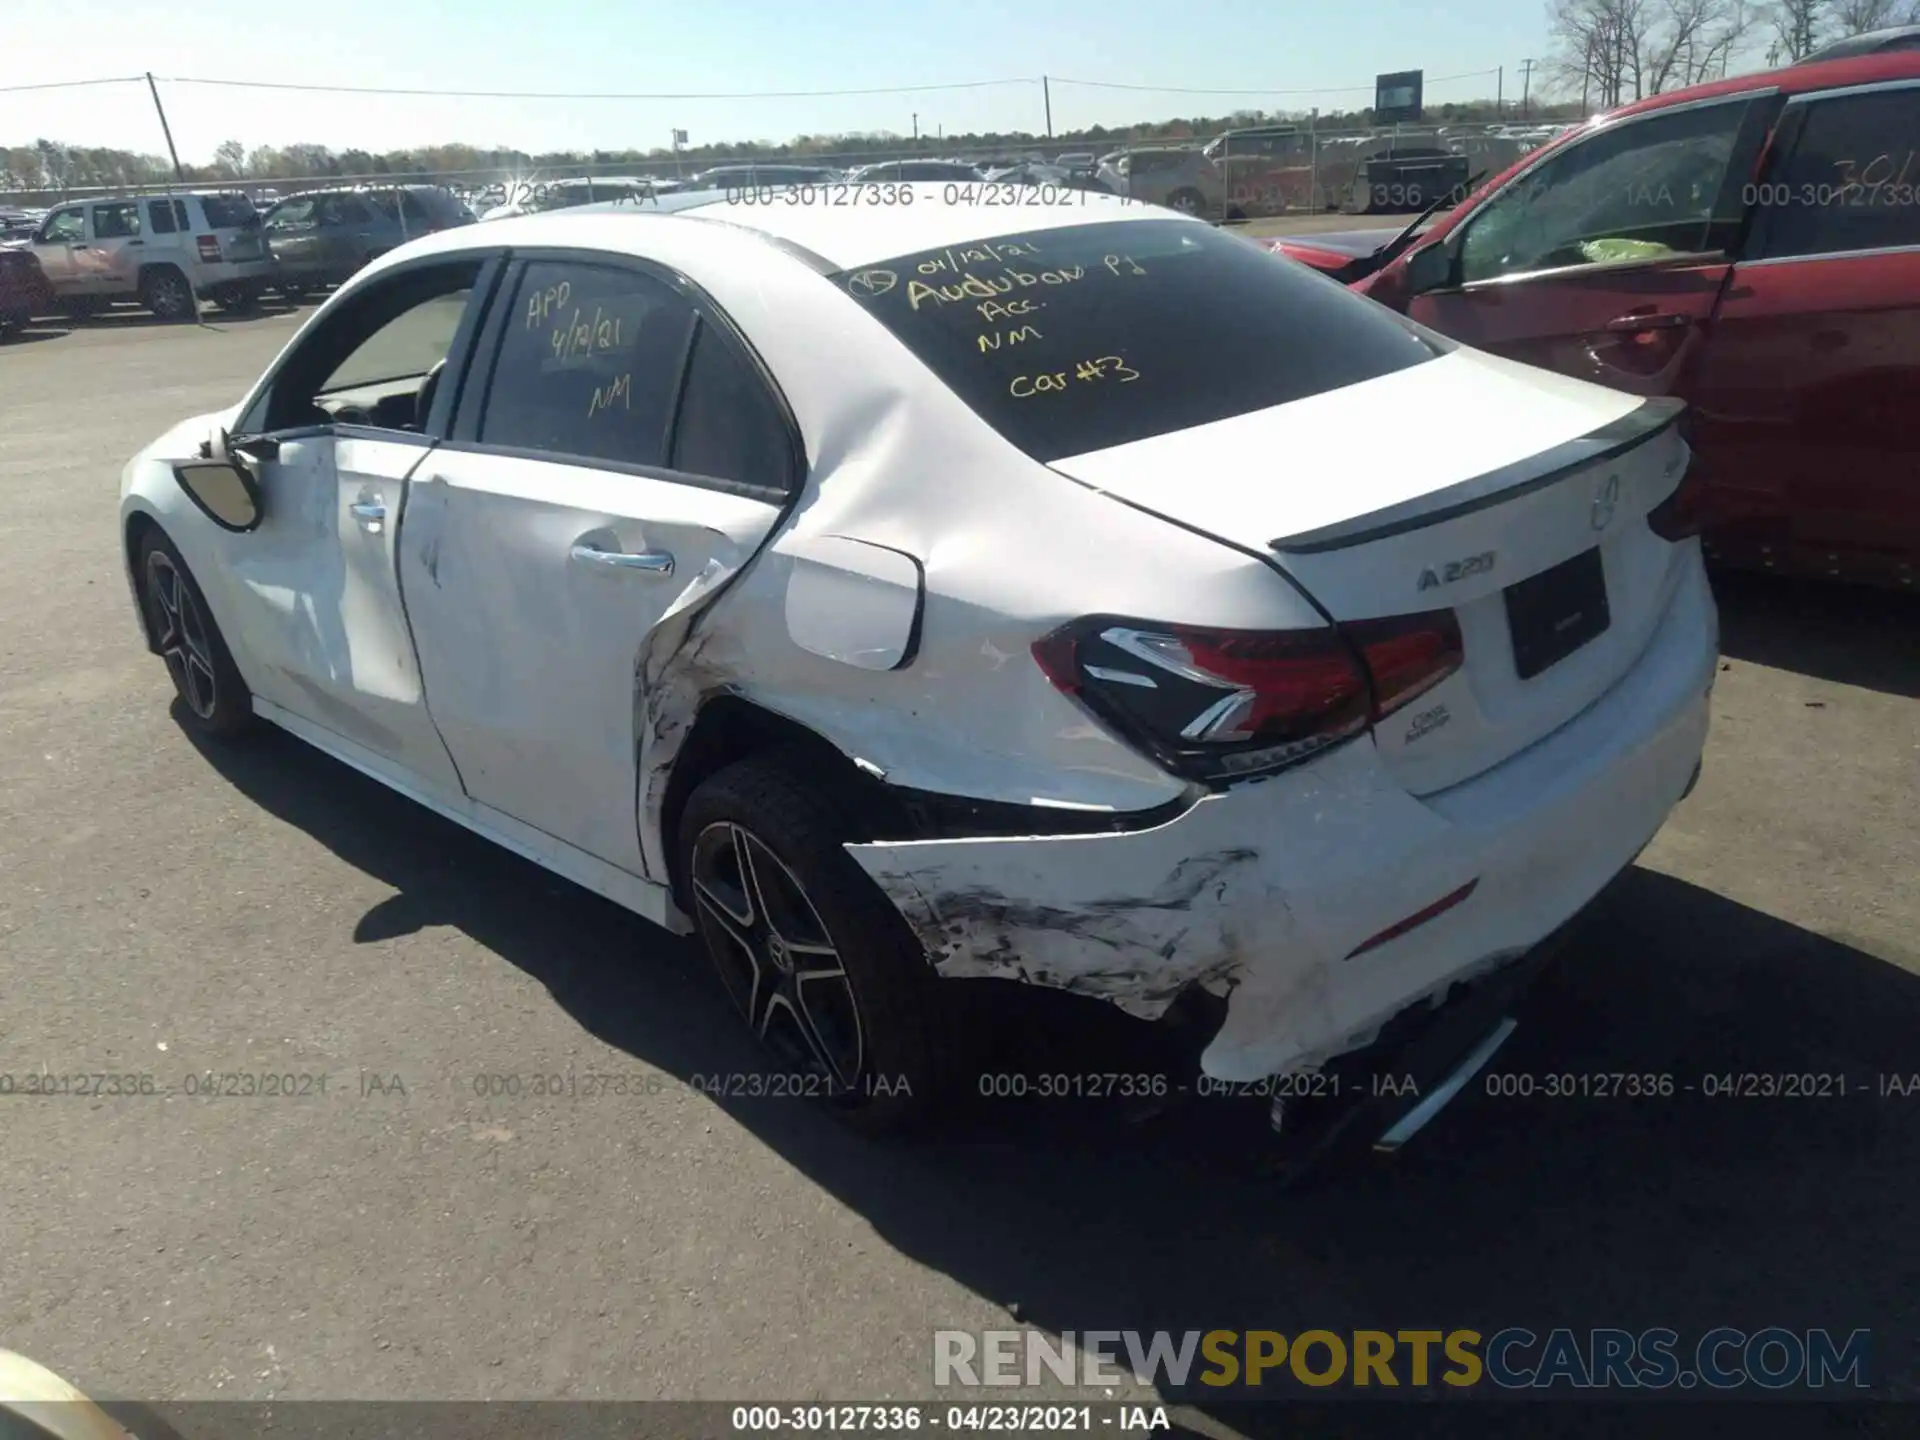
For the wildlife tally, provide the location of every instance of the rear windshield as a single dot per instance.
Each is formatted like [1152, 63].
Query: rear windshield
[230, 212]
[1079, 338]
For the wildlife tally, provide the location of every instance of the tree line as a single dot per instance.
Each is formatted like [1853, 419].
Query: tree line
[48, 165]
[1611, 52]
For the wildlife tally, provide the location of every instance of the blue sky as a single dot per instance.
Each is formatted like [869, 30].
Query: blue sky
[579, 47]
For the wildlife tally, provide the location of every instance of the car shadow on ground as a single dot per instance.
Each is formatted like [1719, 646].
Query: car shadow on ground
[122, 318]
[1722, 1202]
[1848, 634]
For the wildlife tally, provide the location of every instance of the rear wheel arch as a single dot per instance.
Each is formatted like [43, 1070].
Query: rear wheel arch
[730, 728]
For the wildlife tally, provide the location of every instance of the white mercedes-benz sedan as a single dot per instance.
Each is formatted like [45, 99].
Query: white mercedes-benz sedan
[898, 586]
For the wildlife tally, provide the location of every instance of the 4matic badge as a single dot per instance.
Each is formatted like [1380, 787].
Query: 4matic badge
[1459, 569]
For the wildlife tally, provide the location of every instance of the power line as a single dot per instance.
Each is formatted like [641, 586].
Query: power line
[718, 94]
[71, 84]
[576, 95]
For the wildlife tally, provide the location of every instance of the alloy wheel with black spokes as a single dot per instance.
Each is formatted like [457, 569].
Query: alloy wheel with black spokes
[826, 973]
[775, 957]
[183, 631]
[182, 636]
[168, 295]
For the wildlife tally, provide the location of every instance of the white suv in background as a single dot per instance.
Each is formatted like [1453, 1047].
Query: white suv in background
[162, 250]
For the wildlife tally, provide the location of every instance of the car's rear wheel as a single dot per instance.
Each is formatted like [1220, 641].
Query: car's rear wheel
[294, 292]
[165, 291]
[1187, 201]
[215, 698]
[239, 299]
[825, 972]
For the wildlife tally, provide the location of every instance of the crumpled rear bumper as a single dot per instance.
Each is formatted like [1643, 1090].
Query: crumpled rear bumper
[1266, 890]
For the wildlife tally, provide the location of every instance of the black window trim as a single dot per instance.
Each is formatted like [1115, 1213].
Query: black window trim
[1786, 148]
[493, 264]
[464, 430]
[1761, 101]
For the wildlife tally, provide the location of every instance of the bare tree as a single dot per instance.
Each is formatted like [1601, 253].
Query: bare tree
[1613, 51]
[1692, 41]
[1857, 17]
[1799, 26]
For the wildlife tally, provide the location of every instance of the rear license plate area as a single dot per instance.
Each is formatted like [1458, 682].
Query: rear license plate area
[1554, 613]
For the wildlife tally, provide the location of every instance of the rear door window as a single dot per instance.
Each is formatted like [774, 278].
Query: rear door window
[728, 426]
[1853, 182]
[117, 221]
[163, 219]
[1088, 336]
[589, 363]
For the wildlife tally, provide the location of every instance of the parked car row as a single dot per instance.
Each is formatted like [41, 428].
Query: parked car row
[170, 252]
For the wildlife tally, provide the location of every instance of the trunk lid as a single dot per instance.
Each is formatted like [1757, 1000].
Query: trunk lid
[1510, 496]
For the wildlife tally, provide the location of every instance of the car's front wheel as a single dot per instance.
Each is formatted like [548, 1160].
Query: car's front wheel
[215, 698]
[819, 964]
[1187, 201]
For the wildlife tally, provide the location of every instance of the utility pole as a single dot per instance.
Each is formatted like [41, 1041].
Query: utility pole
[1526, 85]
[1499, 90]
[916, 129]
[166, 129]
[1046, 93]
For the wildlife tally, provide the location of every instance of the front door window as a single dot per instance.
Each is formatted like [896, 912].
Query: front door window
[1644, 190]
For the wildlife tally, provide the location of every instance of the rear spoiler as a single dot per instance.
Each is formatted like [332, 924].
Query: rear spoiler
[1640, 424]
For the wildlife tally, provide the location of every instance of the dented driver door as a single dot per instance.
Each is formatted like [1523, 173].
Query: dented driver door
[593, 493]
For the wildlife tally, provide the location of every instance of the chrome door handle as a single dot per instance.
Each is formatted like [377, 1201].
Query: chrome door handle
[652, 562]
[371, 514]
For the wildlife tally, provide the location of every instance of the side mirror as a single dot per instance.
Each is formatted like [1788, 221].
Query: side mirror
[225, 492]
[1429, 268]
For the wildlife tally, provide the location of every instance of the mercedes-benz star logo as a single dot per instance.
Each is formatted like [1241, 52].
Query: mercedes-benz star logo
[777, 952]
[1605, 503]
[872, 283]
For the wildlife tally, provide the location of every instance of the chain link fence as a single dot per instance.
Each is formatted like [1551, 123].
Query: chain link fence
[1244, 173]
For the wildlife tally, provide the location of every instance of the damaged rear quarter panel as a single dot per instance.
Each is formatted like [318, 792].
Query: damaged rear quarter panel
[1132, 919]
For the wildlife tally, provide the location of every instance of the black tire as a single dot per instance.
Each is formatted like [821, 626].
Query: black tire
[212, 695]
[167, 293]
[239, 300]
[294, 292]
[882, 1048]
[1187, 201]
[10, 322]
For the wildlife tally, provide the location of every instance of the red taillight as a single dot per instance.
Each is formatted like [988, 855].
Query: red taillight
[209, 246]
[1407, 655]
[1682, 513]
[1222, 704]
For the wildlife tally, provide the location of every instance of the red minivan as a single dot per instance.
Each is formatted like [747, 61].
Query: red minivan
[1752, 246]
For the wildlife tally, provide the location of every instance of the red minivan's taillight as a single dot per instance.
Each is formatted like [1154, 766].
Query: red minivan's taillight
[1682, 513]
[1221, 705]
[209, 246]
